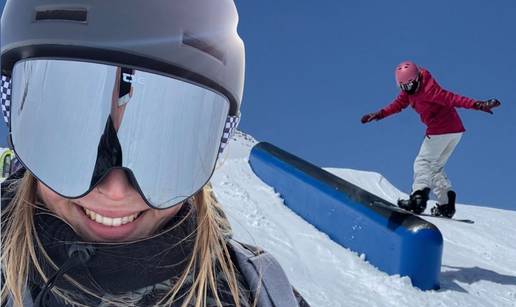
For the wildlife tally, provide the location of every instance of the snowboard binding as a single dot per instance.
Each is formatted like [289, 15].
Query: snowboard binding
[446, 210]
[416, 202]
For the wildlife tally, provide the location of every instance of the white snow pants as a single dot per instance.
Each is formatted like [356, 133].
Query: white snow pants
[429, 164]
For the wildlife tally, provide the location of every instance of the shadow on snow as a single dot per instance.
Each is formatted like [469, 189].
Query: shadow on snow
[471, 275]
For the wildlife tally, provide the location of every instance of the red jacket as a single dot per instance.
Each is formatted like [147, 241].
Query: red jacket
[435, 105]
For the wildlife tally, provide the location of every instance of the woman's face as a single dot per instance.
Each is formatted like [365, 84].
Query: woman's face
[112, 212]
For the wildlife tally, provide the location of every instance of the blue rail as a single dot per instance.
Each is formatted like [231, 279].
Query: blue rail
[394, 241]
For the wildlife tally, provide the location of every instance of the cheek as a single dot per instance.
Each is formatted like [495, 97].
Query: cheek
[160, 217]
[53, 201]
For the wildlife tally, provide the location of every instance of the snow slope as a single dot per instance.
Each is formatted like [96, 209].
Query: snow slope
[479, 261]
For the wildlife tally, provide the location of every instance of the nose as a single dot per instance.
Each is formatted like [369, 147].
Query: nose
[115, 185]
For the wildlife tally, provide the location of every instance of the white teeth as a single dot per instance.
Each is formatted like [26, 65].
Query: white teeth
[117, 221]
[114, 222]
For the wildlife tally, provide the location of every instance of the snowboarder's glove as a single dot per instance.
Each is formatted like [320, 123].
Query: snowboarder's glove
[487, 105]
[372, 116]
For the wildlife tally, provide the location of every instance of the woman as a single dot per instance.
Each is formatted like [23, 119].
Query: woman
[436, 107]
[118, 120]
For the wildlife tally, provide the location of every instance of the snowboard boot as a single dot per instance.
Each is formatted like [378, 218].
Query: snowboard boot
[446, 210]
[416, 202]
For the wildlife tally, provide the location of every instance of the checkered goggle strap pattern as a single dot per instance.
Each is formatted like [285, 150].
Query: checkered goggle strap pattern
[6, 98]
[229, 129]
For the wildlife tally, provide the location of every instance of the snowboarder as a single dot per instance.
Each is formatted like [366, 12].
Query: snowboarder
[118, 120]
[436, 107]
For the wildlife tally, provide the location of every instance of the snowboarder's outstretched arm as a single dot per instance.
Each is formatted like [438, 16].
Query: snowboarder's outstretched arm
[438, 95]
[444, 97]
[400, 103]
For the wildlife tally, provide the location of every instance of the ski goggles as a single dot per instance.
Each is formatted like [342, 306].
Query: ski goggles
[71, 122]
[410, 86]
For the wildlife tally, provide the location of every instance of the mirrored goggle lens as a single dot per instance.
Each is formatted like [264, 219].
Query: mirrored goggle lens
[71, 122]
[408, 86]
[411, 85]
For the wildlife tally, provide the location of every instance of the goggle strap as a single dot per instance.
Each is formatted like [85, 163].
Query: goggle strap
[229, 130]
[6, 98]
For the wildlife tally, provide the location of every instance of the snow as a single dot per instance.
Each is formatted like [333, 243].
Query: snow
[479, 260]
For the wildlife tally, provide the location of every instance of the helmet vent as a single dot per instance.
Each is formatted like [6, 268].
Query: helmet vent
[76, 15]
[203, 46]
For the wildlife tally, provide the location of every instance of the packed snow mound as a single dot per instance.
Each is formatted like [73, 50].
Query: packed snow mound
[371, 182]
[479, 260]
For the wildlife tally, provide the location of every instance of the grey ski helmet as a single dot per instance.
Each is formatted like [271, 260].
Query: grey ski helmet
[196, 40]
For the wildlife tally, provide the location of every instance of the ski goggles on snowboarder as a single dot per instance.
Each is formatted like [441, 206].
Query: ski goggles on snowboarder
[410, 86]
[72, 122]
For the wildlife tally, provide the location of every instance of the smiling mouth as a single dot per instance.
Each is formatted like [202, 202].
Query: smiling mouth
[108, 221]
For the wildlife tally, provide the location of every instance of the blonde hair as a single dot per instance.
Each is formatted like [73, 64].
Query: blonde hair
[210, 253]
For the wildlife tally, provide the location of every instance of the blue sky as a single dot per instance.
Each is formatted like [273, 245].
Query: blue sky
[315, 67]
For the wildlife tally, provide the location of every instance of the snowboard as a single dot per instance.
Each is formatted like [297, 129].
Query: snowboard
[467, 221]
[392, 206]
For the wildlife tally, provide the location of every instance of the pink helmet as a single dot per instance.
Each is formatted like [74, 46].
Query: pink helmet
[405, 72]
